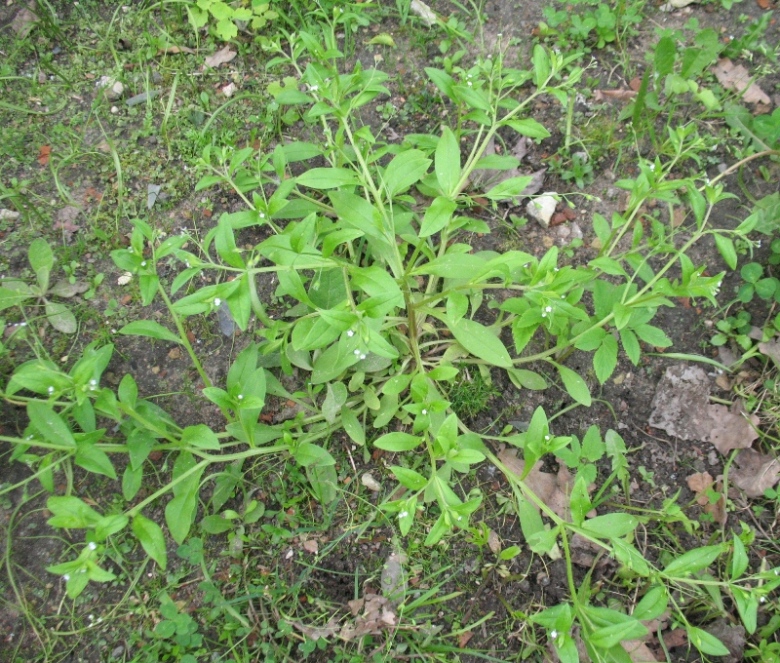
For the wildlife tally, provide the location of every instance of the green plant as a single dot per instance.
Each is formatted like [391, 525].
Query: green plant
[227, 16]
[386, 308]
[596, 24]
[16, 292]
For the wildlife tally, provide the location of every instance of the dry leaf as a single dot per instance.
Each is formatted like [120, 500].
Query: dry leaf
[552, 489]
[424, 12]
[731, 428]
[393, 577]
[700, 483]
[771, 349]
[173, 50]
[639, 652]
[125, 278]
[65, 220]
[222, 56]
[756, 472]
[620, 95]
[676, 4]
[736, 77]
[378, 615]
[464, 638]
[316, 632]
[23, 22]
[311, 546]
[43, 154]
[764, 4]
[229, 90]
[677, 637]
[681, 407]
[494, 542]
[369, 482]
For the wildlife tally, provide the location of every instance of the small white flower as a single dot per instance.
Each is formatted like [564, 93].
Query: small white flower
[544, 315]
[240, 397]
[357, 353]
[553, 634]
[66, 577]
[762, 599]
[362, 356]
[547, 438]
[548, 309]
[217, 301]
[652, 166]
[262, 216]
[50, 390]
[143, 263]
[92, 545]
[424, 411]
[403, 514]
[93, 382]
[350, 333]
[468, 83]
[314, 88]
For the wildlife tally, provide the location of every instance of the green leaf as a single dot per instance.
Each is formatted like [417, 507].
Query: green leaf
[630, 345]
[60, 317]
[41, 260]
[575, 385]
[705, 642]
[150, 329]
[528, 127]
[409, 478]
[327, 178]
[49, 424]
[447, 162]
[605, 358]
[352, 426]
[131, 482]
[693, 560]
[739, 558]
[653, 603]
[70, 512]
[480, 341]
[200, 436]
[437, 216]
[509, 188]
[398, 441]
[747, 607]
[94, 460]
[526, 379]
[335, 398]
[630, 557]
[542, 66]
[665, 52]
[653, 336]
[405, 170]
[727, 250]
[611, 525]
[152, 539]
[609, 636]
[307, 455]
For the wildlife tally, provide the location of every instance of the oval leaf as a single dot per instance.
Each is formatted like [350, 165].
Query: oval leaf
[151, 538]
[150, 329]
[481, 342]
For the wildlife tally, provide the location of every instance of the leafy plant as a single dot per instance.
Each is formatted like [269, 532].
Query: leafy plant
[16, 292]
[227, 16]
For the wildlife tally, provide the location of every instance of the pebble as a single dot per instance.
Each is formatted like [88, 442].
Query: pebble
[542, 208]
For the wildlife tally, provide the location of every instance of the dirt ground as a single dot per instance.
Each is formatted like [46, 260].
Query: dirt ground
[113, 622]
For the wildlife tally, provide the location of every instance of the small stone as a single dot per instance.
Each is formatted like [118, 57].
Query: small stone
[115, 91]
[542, 208]
[114, 110]
[8, 215]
